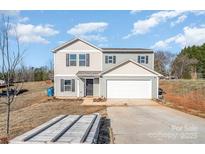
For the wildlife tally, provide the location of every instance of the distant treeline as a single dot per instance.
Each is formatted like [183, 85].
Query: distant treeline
[28, 74]
[192, 59]
[188, 64]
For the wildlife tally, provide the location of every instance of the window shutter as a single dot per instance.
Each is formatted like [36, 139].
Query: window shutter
[73, 85]
[146, 59]
[67, 59]
[106, 59]
[87, 59]
[62, 85]
[114, 59]
[138, 60]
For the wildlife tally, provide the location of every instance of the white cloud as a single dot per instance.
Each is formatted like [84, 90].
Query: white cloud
[144, 26]
[199, 12]
[61, 42]
[84, 28]
[94, 37]
[10, 13]
[179, 20]
[89, 31]
[190, 36]
[23, 19]
[15, 16]
[135, 11]
[29, 33]
[102, 45]
[163, 44]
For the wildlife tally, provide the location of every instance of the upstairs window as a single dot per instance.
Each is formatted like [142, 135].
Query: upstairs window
[143, 59]
[82, 59]
[110, 59]
[71, 60]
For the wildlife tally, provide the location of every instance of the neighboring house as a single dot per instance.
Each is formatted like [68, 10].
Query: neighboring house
[82, 69]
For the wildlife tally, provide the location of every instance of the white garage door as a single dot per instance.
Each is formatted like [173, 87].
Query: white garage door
[129, 89]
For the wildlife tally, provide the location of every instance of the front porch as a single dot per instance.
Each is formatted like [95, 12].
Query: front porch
[89, 85]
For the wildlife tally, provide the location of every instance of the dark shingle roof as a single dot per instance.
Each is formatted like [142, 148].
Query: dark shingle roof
[125, 50]
[88, 73]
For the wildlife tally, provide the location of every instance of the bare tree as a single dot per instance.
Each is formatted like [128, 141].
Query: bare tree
[183, 65]
[25, 73]
[50, 65]
[162, 62]
[51, 69]
[11, 56]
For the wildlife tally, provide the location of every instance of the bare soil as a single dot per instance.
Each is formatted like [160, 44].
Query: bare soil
[185, 95]
[34, 108]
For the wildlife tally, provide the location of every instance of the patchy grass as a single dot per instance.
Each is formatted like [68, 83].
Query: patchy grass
[34, 108]
[36, 94]
[186, 95]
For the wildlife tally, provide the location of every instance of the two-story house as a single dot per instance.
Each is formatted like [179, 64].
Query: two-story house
[82, 69]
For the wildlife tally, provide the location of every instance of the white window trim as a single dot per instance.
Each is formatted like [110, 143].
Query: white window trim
[143, 59]
[111, 59]
[68, 86]
[79, 59]
[76, 59]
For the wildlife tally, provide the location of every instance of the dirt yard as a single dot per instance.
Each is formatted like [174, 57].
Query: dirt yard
[34, 108]
[186, 95]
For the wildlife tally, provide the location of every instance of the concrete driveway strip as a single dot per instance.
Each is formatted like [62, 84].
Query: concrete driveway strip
[154, 124]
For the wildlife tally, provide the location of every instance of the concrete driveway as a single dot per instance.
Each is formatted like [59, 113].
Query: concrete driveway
[153, 123]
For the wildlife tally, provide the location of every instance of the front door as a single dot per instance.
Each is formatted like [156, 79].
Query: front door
[89, 87]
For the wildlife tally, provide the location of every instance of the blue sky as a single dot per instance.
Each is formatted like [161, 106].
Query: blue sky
[41, 31]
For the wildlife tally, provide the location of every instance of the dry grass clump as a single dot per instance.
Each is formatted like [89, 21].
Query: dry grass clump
[34, 108]
[4, 140]
[32, 116]
[187, 95]
[100, 99]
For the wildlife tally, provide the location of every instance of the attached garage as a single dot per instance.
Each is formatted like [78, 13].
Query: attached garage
[140, 89]
[130, 80]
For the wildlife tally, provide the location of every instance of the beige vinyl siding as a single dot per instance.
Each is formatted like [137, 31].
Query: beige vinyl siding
[96, 87]
[121, 57]
[77, 48]
[130, 69]
[61, 68]
[57, 86]
[97, 63]
[78, 45]
[79, 87]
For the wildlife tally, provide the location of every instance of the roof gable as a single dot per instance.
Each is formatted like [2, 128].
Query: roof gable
[131, 68]
[76, 44]
[80, 44]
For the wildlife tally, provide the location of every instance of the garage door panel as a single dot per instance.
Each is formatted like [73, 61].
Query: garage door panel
[129, 89]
